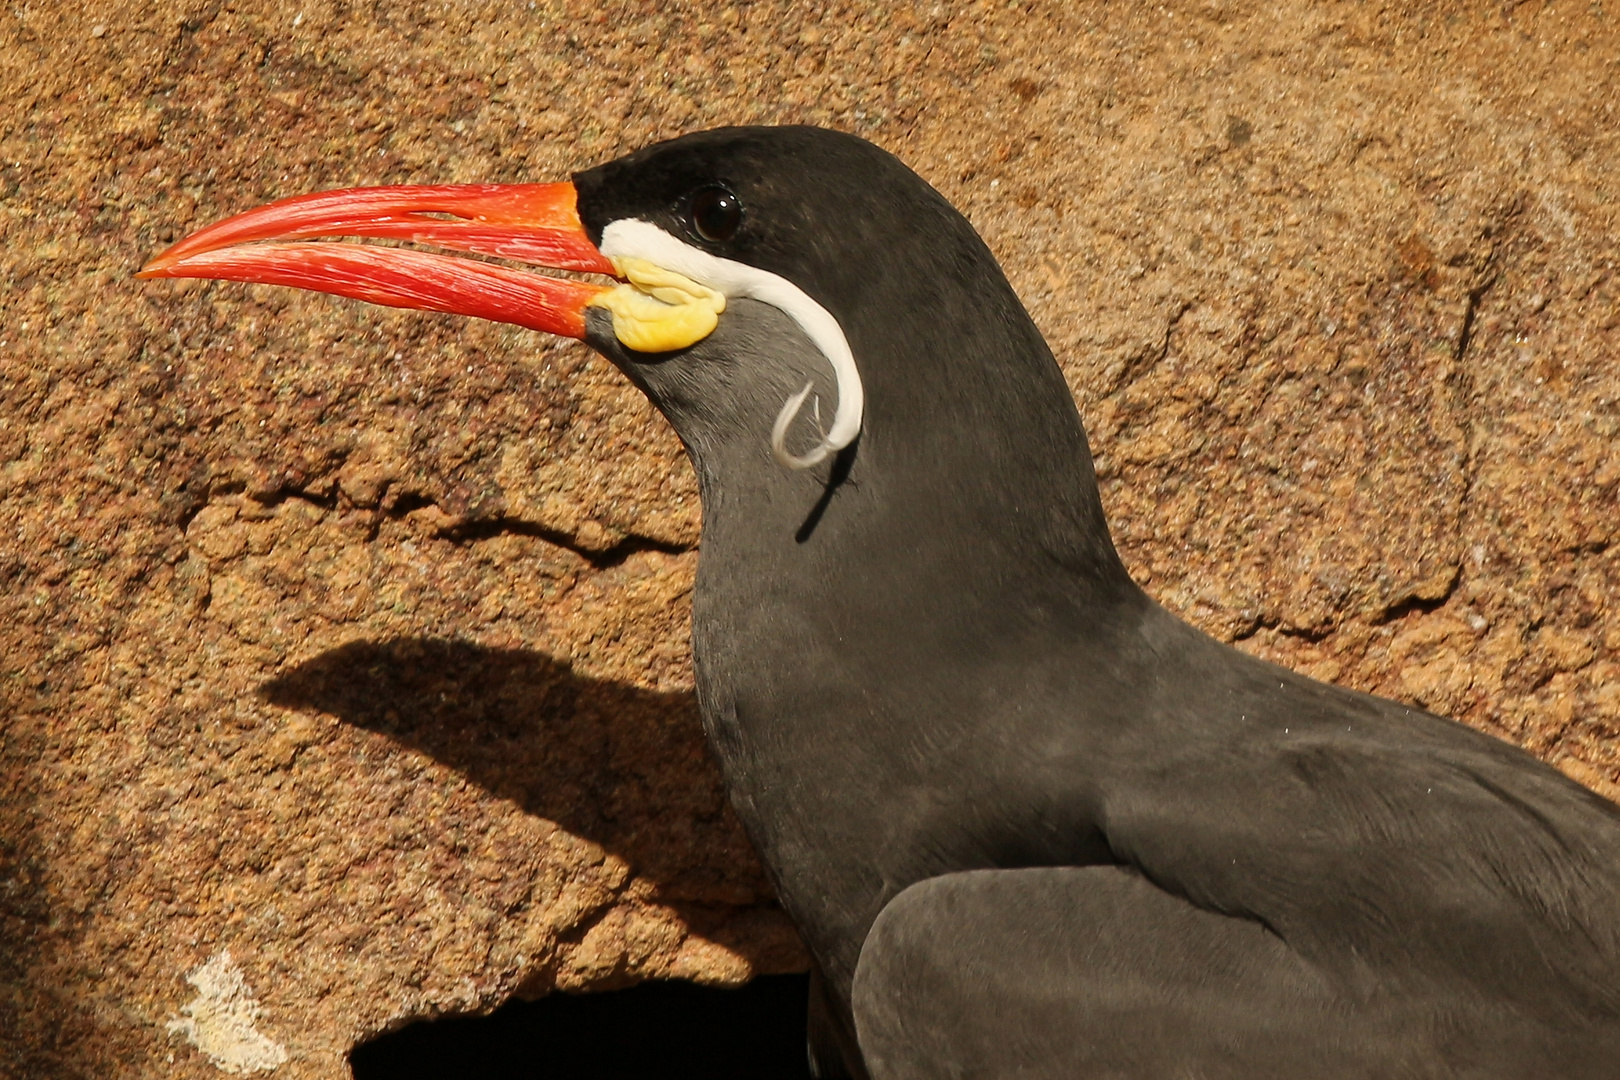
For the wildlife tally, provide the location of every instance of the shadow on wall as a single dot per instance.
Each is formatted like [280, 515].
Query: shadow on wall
[655, 1031]
[626, 768]
[43, 1031]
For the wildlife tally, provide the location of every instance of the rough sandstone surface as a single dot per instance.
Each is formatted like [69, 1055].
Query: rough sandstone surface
[344, 652]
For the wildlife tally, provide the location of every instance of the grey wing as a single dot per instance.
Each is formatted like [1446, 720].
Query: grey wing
[1079, 972]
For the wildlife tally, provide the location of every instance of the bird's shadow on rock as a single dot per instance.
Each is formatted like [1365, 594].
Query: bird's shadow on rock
[621, 766]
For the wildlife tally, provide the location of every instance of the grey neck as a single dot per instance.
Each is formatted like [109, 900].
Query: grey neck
[852, 622]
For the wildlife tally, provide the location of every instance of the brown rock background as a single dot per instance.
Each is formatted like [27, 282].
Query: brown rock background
[352, 642]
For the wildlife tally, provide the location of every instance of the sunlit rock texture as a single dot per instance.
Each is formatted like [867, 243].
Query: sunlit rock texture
[350, 645]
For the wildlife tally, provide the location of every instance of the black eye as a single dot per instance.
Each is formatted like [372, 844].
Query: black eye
[715, 214]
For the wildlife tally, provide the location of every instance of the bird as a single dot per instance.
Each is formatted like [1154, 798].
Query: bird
[1027, 821]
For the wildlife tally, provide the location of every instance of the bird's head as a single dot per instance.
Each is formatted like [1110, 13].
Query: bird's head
[779, 293]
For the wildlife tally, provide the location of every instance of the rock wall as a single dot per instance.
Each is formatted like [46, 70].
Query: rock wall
[344, 652]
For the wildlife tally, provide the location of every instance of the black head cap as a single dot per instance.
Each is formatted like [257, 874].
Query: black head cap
[820, 208]
[964, 402]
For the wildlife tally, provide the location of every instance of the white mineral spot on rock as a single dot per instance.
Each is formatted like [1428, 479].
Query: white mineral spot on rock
[219, 1022]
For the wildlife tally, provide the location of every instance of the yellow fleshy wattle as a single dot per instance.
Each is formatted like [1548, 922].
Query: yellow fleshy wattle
[659, 310]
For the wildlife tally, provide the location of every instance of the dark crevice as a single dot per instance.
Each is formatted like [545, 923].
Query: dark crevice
[1590, 548]
[1309, 634]
[188, 508]
[1462, 410]
[280, 495]
[408, 502]
[655, 1031]
[463, 530]
[1147, 359]
[1415, 605]
[1465, 336]
[599, 558]
[1462, 386]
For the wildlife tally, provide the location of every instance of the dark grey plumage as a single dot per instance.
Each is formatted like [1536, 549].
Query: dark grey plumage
[1028, 823]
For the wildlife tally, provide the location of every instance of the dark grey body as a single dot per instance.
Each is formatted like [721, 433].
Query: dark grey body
[925, 672]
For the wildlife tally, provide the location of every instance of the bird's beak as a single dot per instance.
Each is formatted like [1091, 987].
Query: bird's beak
[536, 224]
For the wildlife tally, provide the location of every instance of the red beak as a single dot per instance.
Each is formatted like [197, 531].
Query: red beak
[532, 223]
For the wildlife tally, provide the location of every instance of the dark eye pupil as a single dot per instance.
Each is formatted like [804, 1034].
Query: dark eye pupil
[716, 213]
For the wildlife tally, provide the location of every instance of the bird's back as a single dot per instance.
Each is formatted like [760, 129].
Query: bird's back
[1390, 847]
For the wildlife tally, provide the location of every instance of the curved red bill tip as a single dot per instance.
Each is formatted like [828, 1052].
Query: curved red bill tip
[400, 277]
[532, 223]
